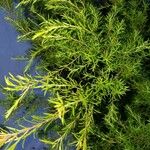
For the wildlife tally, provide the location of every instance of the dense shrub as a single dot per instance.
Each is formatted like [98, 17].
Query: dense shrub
[91, 61]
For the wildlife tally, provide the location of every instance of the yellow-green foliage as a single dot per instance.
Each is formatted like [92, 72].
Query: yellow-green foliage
[91, 65]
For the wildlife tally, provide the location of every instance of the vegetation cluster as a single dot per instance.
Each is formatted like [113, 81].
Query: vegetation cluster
[92, 66]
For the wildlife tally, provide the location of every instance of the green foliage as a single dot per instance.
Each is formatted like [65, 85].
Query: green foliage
[140, 137]
[6, 4]
[91, 67]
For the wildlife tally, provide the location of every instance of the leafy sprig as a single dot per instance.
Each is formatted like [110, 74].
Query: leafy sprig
[89, 65]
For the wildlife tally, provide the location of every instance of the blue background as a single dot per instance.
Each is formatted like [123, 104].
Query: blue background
[10, 48]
